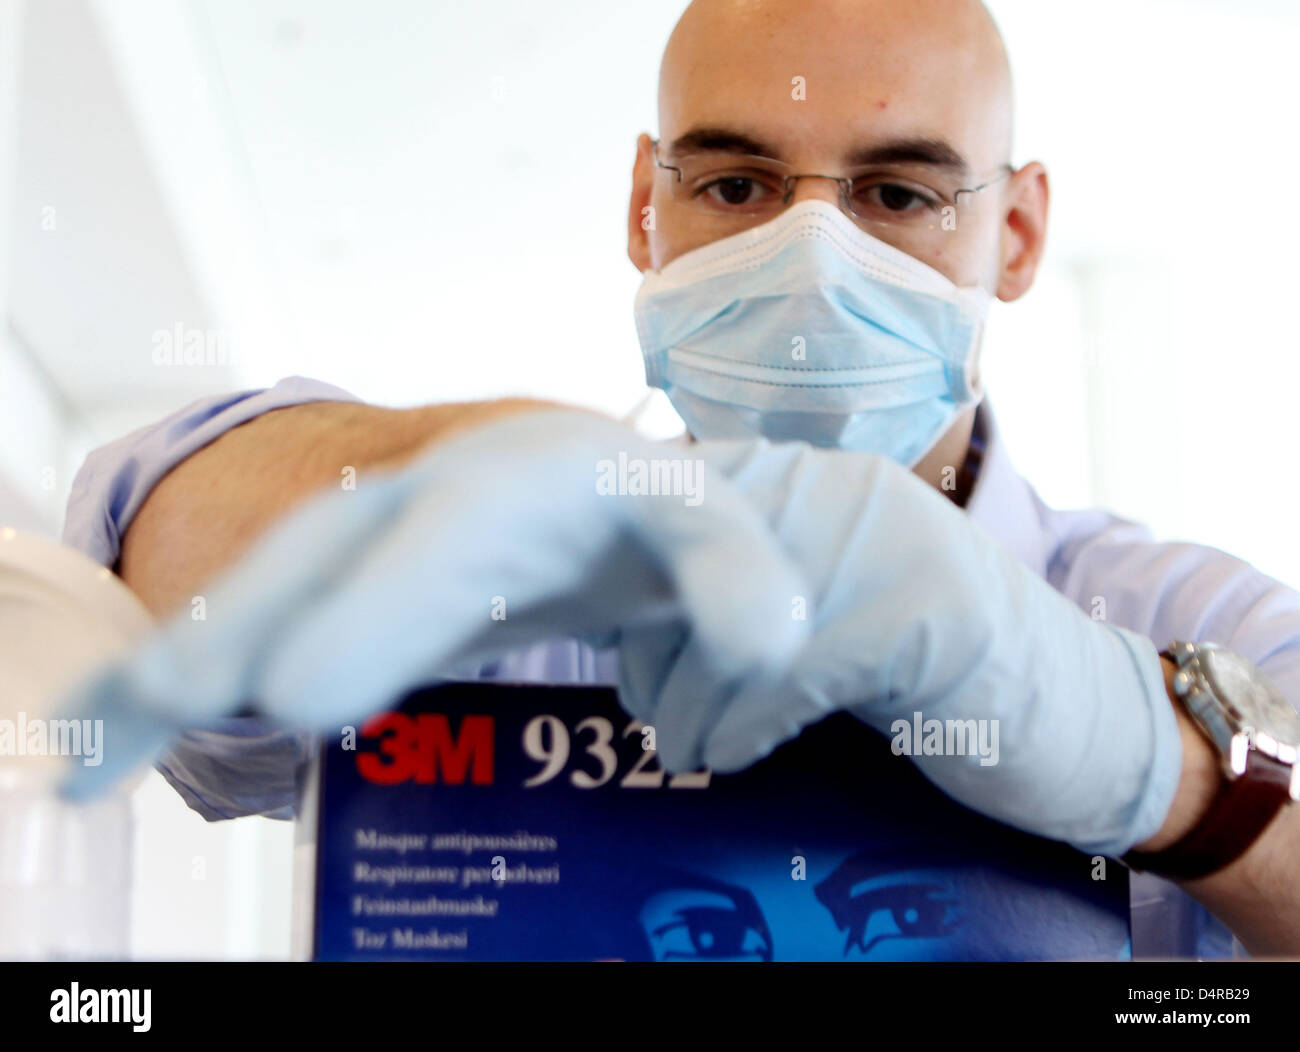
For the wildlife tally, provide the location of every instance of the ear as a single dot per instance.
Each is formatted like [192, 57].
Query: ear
[1024, 234]
[638, 238]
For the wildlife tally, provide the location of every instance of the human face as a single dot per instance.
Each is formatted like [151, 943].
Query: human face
[823, 85]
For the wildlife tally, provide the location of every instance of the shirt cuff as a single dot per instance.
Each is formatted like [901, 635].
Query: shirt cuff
[117, 478]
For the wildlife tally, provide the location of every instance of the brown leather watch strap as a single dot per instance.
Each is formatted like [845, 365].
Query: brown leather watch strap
[1241, 811]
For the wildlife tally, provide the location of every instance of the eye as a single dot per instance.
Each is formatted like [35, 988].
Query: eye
[906, 911]
[892, 200]
[710, 933]
[736, 190]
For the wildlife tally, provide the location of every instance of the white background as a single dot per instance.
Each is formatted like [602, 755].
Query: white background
[424, 201]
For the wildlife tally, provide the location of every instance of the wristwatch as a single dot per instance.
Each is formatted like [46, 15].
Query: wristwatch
[1256, 733]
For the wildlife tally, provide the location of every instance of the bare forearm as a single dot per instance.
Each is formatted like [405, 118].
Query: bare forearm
[207, 511]
[1258, 896]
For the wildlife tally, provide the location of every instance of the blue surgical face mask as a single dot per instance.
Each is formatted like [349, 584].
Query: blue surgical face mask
[808, 328]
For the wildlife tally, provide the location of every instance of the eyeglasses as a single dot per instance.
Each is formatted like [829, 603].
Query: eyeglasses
[899, 202]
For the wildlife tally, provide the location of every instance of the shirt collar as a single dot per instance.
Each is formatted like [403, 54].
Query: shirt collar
[1001, 501]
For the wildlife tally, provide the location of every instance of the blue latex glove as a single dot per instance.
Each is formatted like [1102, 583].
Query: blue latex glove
[917, 609]
[361, 595]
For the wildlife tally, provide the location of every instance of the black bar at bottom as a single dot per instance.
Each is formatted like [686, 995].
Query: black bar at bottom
[384, 1005]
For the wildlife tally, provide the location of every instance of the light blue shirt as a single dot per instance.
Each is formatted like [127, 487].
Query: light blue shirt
[1109, 566]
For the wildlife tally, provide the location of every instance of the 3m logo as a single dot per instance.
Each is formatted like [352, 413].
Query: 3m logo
[423, 748]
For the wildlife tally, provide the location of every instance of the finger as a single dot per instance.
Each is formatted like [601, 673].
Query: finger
[130, 736]
[646, 657]
[760, 718]
[688, 705]
[740, 591]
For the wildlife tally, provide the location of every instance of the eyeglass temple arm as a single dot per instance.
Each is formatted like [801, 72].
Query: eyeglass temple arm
[654, 147]
[1007, 170]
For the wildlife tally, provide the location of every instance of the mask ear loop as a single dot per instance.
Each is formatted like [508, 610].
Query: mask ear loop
[634, 415]
[972, 389]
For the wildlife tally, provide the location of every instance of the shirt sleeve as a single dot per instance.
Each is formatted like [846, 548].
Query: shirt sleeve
[1117, 571]
[116, 479]
[240, 765]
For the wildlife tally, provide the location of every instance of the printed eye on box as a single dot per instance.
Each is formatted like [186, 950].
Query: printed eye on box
[489, 822]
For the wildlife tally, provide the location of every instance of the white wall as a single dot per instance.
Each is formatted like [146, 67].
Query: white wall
[1160, 333]
[30, 424]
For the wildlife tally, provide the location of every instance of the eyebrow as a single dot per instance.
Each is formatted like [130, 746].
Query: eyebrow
[721, 140]
[934, 152]
[916, 150]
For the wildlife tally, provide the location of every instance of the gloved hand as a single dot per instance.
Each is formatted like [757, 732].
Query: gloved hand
[360, 595]
[916, 609]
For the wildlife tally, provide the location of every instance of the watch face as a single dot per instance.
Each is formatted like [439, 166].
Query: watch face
[1260, 703]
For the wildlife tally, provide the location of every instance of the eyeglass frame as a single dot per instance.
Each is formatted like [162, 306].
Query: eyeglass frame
[844, 182]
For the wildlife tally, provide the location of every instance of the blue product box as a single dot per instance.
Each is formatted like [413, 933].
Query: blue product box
[489, 822]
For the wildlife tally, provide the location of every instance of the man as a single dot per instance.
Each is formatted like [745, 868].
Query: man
[855, 145]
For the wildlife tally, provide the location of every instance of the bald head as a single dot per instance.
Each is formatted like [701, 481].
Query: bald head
[834, 86]
[871, 70]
